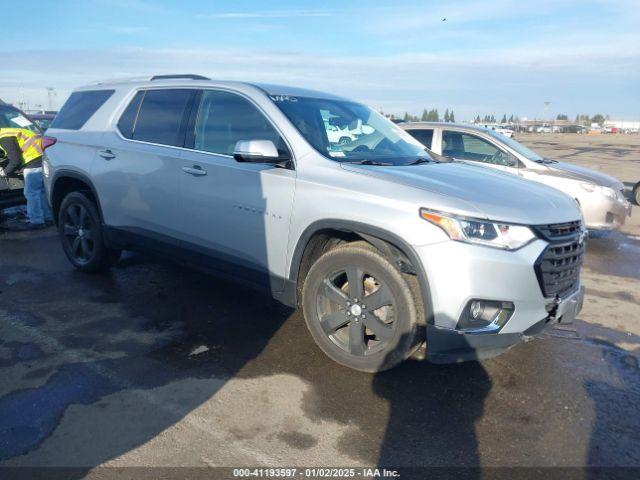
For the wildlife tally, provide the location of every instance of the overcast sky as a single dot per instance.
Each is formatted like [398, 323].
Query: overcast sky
[484, 57]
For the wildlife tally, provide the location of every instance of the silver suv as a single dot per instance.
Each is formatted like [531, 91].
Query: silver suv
[382, 245]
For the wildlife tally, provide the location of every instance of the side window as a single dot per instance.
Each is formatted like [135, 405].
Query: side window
[469, 147]
[424, 136]
[162, 116]
[224, 118]
[79, 108]
[129, 116]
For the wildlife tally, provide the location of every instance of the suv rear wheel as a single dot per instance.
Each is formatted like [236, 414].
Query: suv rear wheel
[80, 231]
[361, 311]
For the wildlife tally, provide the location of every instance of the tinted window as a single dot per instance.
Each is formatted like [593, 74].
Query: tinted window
[162, 115]
[469, 147]
[79, 108]
[423, 136]
[128, 118]
[224, 118]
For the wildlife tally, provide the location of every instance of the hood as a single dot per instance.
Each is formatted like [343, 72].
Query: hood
[479, 192]
[568, 170]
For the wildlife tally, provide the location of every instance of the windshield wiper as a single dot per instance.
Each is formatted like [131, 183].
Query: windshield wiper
[368, 161]
[546, 161]
[418, 161]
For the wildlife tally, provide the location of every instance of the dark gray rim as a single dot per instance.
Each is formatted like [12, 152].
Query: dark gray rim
[79, 233]
[356, 311]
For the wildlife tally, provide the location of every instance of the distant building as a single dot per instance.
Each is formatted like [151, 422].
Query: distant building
[633, 125]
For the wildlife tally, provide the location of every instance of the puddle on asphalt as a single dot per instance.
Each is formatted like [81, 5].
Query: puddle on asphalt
[616, 254]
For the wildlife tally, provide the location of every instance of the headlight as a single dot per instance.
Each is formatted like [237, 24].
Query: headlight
[606, 191]
[491, 234]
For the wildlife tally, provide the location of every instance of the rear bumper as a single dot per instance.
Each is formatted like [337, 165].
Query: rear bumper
[11, 198]
[11, 193]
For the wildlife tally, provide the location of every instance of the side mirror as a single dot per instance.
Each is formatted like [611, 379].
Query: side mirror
[256, 151]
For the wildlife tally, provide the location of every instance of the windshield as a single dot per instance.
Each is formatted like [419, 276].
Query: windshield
[13, 118]
[350, 132]
[518, 147]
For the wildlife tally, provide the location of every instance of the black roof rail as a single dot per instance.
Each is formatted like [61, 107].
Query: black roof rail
[185, 76]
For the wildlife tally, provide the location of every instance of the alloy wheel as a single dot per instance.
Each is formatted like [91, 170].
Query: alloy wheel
[356, 311]
[79, 233]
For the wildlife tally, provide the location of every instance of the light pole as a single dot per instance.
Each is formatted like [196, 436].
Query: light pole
[51, 92]
[546, 109]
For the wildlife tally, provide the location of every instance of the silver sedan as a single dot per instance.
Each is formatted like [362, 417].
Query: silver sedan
[600, 196]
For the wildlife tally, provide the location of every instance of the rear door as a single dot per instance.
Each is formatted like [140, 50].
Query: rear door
[236, 213]
[137, 171]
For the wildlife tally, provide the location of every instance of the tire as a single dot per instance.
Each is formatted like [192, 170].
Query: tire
[80, 230]
[382, 338]
[636, 193]
[344, 141]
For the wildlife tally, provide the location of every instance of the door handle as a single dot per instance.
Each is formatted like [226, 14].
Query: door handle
[196, 170]
[107, 154]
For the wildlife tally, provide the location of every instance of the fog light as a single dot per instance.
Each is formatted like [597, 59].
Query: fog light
[485, 315]
[476, 309]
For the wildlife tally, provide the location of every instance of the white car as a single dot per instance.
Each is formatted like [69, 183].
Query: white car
[600, 196]
[497, 128]
[339, 135]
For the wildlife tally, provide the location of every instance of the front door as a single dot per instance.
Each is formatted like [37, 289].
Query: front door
[236, 213]
[467, 147]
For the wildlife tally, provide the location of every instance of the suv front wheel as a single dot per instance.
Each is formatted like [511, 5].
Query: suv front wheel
[361, 310]
[80, 231]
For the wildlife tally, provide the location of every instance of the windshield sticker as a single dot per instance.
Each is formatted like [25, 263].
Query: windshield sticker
[21, 121]
[283, 98]
[336, 153]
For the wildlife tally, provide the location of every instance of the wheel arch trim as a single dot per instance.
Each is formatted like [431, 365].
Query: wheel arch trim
[373, 235]
[64, 173]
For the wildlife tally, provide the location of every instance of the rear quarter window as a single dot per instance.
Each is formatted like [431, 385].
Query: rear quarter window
[79, 108]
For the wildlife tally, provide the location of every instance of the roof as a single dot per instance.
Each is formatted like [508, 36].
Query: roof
[200, 81]
[295, 91]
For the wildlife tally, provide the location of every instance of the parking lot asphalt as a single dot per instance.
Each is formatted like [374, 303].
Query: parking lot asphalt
[152, 364]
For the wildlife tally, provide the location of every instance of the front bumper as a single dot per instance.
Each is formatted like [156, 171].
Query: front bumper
[605, 214]
[453, 346]
[459, 272]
